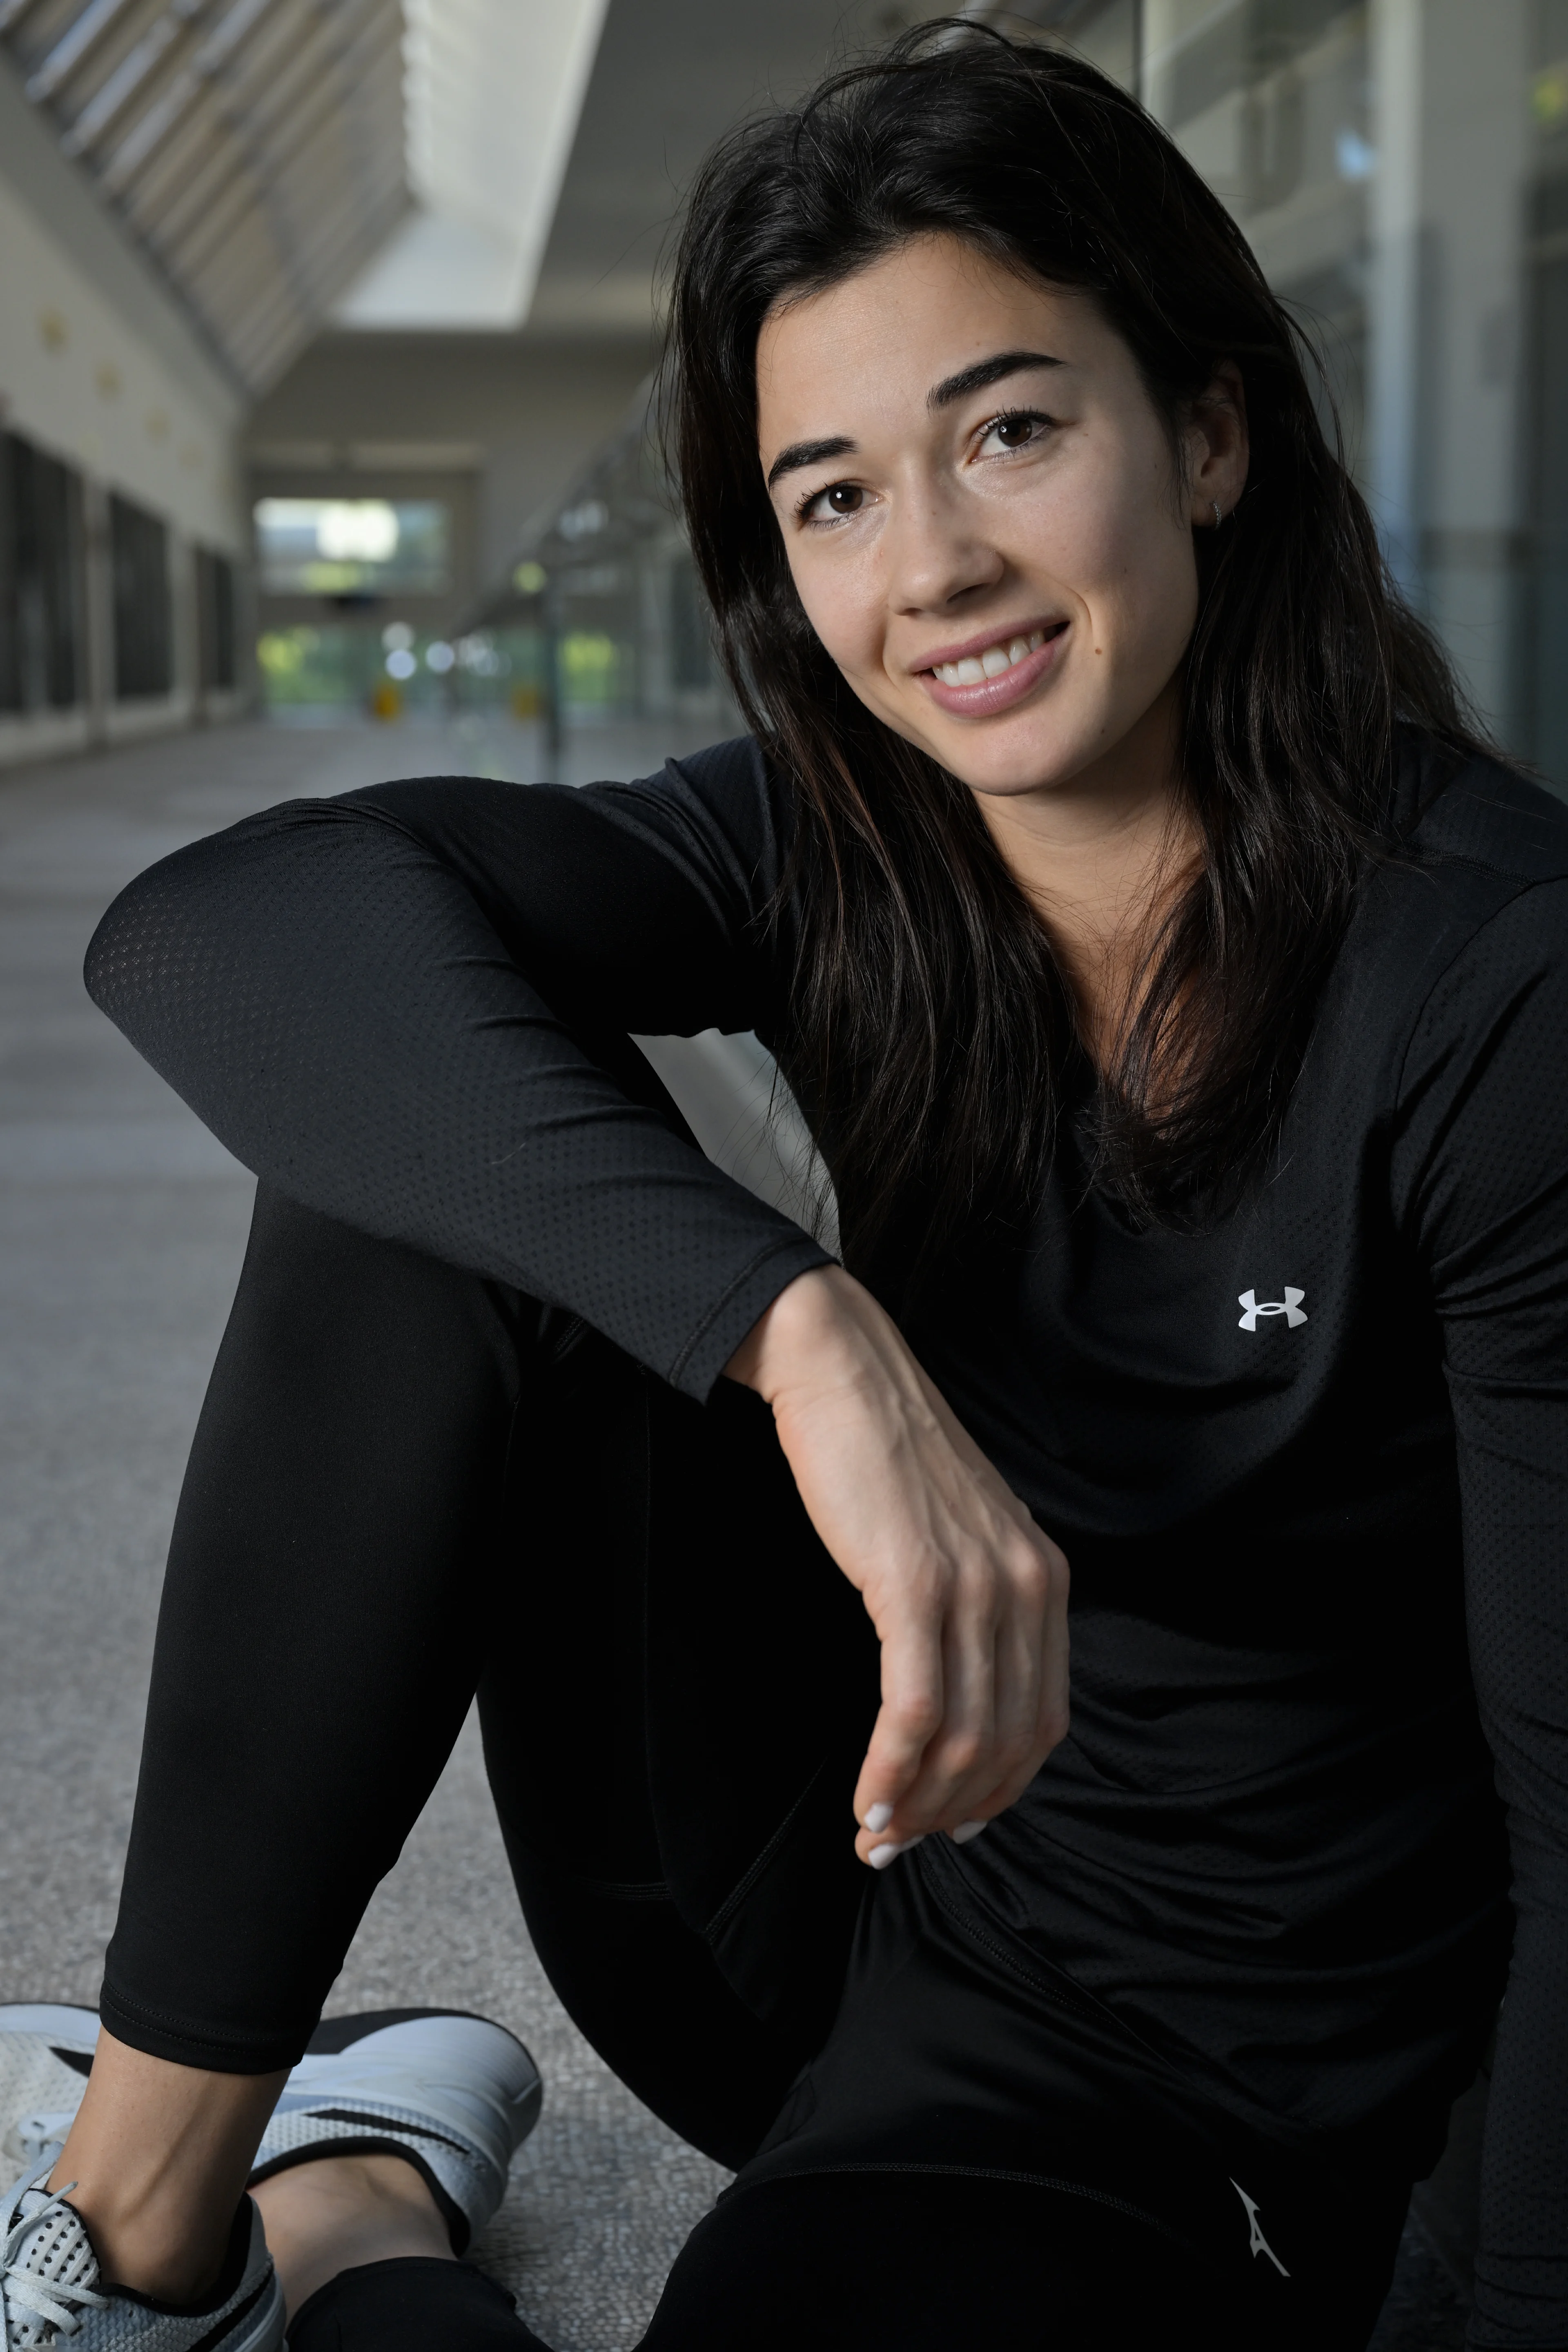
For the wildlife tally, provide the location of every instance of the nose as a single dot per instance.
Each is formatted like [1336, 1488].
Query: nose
[937, 552]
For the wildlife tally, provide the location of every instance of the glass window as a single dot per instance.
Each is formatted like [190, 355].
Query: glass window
[338, 546]
[1270, 98]
[215, 619]
[40, 580]
[143, 635]
[1544, 664]
[1400, 170]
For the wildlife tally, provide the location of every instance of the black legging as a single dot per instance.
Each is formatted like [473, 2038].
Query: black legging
[829, 2264]
[409, 1483]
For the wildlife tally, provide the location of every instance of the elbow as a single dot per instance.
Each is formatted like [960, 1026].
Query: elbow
[153, 954]
[172, 929]
[224, 924]
[117, 969]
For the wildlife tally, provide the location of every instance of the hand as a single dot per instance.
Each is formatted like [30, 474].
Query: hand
[968, 1597]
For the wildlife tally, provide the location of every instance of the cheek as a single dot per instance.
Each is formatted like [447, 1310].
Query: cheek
[1144, 597]
[843, 607]
[1162, 601]
[1111, 539]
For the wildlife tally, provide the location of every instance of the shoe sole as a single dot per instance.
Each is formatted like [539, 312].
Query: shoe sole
[46, 2054]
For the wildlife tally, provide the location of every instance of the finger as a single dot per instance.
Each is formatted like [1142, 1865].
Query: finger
[1030, 1702]
[910, 1715]
[959, 1757]
[997, 1634]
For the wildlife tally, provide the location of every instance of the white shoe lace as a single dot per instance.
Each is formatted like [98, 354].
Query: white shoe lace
[43, 2134]
[41, 2300]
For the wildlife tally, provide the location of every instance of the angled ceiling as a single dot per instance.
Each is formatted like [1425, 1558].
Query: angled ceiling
[670, 76]
[291, 165]
[254, 147]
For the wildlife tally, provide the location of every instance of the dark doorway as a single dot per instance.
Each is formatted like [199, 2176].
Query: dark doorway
[144, 634]
[40, 580]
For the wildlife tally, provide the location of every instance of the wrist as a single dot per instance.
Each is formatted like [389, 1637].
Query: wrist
[801, 1328]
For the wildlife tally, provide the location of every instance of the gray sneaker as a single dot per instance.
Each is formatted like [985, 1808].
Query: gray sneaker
[45, 2050]
[454, 2095]
[50, 2288]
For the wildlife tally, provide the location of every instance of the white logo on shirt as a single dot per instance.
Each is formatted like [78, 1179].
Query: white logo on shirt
[1258, 2244]
[1289, 1306]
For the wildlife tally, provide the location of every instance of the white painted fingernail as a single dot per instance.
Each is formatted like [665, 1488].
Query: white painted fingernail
[877, 1820]
[967, 1830]
[881, 1856]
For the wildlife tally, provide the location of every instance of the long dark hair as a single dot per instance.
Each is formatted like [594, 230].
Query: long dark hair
[931, 1035]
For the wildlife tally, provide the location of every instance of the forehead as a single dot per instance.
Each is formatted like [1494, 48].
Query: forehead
[881, 339]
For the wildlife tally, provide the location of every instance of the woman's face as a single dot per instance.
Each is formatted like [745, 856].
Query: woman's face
[984, 516]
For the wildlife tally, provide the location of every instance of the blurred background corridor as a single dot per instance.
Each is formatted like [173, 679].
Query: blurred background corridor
[326, 329]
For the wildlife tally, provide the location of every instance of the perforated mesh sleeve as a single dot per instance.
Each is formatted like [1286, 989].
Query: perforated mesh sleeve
[1481, 1171]
[367, 1000]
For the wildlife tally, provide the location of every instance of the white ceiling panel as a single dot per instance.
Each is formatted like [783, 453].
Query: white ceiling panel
[493, 89]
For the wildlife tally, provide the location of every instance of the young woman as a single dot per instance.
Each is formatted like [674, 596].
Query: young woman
[1177, 994]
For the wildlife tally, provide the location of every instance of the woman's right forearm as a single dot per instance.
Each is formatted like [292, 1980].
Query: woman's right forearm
[967, 1595]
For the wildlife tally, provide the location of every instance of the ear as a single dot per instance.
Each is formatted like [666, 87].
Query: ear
[1217, 447]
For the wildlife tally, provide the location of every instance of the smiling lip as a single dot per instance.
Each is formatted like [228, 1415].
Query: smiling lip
[978, 698]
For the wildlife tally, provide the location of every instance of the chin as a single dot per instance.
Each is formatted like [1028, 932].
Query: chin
[1002, 758]
[1004, 768]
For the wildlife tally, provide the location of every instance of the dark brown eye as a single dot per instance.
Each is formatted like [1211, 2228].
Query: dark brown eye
[1014, 431]
[844, 497]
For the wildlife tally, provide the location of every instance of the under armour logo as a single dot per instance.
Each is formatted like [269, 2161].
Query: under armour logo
[1289, 1306]
[1258, 2244]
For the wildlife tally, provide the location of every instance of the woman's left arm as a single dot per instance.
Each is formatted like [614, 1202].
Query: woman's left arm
[1482, 1173]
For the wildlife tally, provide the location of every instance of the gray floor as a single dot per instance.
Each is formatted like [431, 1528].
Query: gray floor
[121, 1224]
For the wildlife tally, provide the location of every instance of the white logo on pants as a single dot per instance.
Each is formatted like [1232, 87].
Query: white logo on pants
[1289, 1306]
[1259, 2244]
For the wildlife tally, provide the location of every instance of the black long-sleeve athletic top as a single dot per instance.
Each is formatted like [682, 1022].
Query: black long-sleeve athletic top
[1310, 1465]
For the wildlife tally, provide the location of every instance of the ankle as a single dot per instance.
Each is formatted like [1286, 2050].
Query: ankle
[340, 2212]
[155, 2163]
[142, 2246]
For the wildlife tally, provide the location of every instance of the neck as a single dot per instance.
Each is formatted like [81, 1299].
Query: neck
[1101, 856]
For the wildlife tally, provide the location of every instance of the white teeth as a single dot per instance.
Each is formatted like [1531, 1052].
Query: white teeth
[972, 670]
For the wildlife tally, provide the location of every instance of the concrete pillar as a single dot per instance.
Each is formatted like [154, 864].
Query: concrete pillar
[98, 609]
[184, 663]
[1395, 319]
[1450, 84]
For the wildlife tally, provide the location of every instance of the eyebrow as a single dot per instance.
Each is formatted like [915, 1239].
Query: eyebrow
[985, 373]
[808, 453]
[977, 378]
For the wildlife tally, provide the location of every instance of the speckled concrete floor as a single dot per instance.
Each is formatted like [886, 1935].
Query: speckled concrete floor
[121, 1224]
